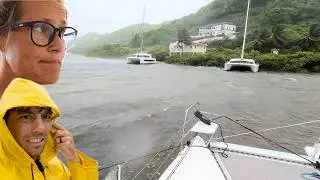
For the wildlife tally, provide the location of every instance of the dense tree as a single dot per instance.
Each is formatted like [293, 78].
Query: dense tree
[135, 41]
[312, 40]
[277, 36]
[183, 38]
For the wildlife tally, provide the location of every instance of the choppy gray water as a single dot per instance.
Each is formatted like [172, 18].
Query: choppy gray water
[118, 111]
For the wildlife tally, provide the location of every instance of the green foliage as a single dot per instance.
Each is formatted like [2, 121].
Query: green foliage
[312, 40]
[174, 60]
[216, 58]
[183, 36]
[297, 62]
[277, 38]
[314, 33]
[287, 39]
[159, 52]
[135, 41]
[209, 59]
[226, 43]
[281, 23]
[281, 12]
[284, 24]
[109, 50]
[123, 36]
[161, 36]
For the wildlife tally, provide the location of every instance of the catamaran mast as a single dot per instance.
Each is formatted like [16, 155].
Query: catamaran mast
[143, 15]
[245, 30]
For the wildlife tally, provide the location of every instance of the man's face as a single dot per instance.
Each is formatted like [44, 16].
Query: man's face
[30, 127]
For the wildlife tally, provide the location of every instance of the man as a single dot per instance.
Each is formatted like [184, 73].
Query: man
[30, 137]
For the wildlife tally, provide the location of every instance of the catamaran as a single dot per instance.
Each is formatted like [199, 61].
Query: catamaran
[142, 57]
[241, 63]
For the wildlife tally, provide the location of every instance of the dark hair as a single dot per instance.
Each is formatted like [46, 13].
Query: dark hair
[10, 12]
[6, 116]
[25, 109]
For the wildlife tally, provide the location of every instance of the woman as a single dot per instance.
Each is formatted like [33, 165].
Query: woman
[32, 40]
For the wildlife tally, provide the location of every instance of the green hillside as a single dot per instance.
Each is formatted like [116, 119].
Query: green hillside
[283, 24]
[122, 36]
[295, 16]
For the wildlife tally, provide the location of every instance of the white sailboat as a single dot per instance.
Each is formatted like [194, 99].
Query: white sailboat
[241, 63]
[142, 57]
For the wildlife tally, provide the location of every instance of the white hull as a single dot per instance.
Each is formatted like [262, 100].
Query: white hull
[241, 64]
[142, 58]
[141, 61]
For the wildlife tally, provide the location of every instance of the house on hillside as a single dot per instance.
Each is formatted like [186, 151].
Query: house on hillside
[225, 29]
[192, 48]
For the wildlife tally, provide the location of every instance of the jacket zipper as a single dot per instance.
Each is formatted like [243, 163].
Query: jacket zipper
[33, 175]
[32, 172]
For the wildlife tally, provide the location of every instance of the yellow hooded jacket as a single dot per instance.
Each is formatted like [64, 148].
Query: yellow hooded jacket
[15, 163]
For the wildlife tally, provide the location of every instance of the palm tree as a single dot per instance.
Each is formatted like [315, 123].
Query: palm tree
[263, 43]
[315, 32]
[183, 38]
[277, 37]
[312, 40]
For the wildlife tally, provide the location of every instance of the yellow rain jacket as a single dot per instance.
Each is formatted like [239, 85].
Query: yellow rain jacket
[15, 163]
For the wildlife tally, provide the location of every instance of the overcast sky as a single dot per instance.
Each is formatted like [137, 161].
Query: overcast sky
[105, 16]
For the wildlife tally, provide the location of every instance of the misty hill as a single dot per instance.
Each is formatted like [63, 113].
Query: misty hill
[284, 19]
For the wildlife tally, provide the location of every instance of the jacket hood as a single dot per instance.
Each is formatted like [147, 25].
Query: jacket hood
[19, 93]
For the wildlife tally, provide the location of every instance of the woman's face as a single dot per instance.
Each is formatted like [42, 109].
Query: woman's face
[27, 60]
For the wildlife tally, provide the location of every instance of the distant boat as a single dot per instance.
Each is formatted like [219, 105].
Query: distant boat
[141, 58]
[241, 63]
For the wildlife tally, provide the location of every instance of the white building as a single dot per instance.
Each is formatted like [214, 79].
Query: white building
[192, 48]
[275, 51]
[218, 29]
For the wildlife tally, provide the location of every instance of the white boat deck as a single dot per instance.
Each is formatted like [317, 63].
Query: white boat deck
[243, 162]
[251, 167]
[201, 160]
[194, 162]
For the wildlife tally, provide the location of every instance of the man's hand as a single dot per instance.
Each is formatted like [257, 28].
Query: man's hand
[64, 143]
